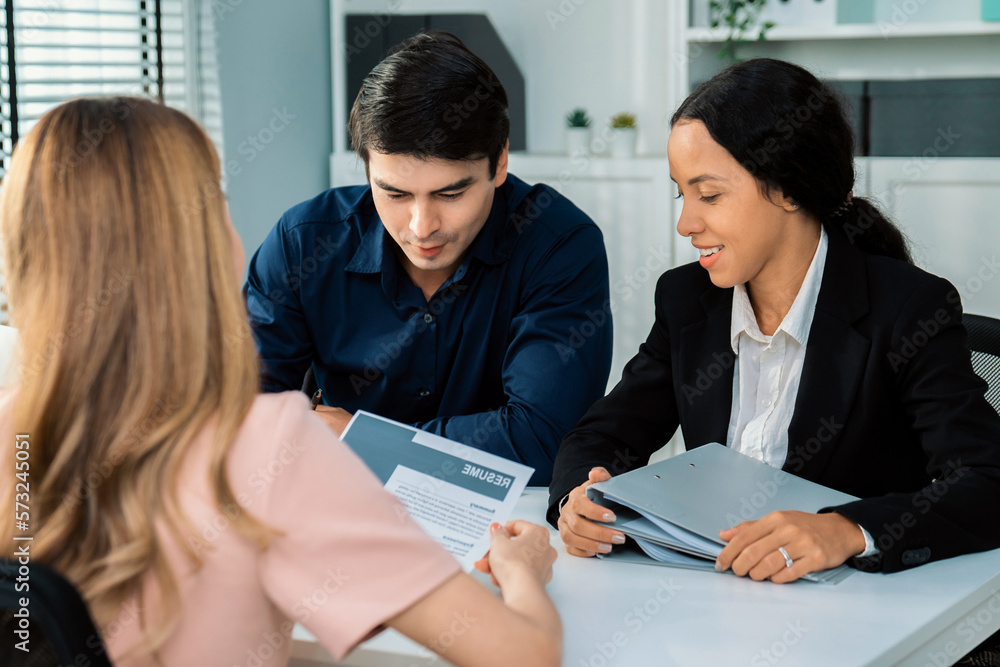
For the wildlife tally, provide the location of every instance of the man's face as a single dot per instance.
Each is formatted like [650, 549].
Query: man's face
[433, 208]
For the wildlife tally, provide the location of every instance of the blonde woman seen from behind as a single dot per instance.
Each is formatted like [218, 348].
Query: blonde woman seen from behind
[198, 519]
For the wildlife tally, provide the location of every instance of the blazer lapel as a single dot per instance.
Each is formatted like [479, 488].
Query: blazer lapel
[836, 355]
[706, 364]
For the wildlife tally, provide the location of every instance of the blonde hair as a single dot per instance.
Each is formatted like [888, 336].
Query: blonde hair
[119, 265]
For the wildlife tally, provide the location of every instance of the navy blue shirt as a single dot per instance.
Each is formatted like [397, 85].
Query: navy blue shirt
[506, 356]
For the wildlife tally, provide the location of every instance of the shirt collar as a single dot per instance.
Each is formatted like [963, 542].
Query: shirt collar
[491, 245]
[368, 257]
[798, 320]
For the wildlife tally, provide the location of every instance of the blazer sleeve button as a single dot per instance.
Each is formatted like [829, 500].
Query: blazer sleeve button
[916, 556]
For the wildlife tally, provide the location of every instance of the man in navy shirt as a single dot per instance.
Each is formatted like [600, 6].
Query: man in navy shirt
[447, 293]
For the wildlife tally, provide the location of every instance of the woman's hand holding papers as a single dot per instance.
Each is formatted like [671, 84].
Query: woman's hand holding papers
[812, 541]
[517, 548]
[577, 515]
[466, 623]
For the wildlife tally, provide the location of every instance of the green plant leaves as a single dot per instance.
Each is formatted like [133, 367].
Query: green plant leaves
[741, 19]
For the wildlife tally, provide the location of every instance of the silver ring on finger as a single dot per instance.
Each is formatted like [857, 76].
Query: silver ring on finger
[788, 559]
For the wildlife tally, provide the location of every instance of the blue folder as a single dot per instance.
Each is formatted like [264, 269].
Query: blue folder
[674, 509]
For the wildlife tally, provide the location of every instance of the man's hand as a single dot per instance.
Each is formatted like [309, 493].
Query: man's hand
[813, 541]
[336, 418]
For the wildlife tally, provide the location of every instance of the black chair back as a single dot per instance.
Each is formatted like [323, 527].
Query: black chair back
[984, 341]
[309, 385]
[55, 626]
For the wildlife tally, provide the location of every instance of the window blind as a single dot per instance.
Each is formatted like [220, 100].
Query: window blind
[53, 50]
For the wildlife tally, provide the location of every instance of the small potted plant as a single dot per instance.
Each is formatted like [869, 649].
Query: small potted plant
[625, 135]
[577, 131]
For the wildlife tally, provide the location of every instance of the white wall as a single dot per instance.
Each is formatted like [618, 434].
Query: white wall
[602, 55]
[274, 71]
[947, 207]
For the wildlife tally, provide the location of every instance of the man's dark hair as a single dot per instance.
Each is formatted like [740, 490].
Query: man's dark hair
[431, 98]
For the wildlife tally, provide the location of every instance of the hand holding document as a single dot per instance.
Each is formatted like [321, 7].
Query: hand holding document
[452, 490]
[674, 509]
[518, 541]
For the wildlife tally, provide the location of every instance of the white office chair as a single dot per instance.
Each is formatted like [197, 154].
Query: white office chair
[8, 350]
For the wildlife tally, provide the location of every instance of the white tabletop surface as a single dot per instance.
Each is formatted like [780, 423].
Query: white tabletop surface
[625, 614]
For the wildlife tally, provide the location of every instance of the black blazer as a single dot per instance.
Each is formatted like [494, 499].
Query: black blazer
[889, 408]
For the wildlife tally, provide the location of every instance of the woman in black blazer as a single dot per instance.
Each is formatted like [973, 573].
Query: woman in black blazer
[878, 399]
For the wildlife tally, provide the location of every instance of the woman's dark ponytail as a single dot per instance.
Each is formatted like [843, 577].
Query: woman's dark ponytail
[869, 229]
[789, 130]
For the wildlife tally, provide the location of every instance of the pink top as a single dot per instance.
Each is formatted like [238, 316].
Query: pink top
[350, 557]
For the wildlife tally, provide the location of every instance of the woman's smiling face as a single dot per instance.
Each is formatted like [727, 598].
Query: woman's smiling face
[739, 231]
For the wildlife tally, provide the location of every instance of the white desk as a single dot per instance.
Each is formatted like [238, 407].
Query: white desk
[620, 614]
